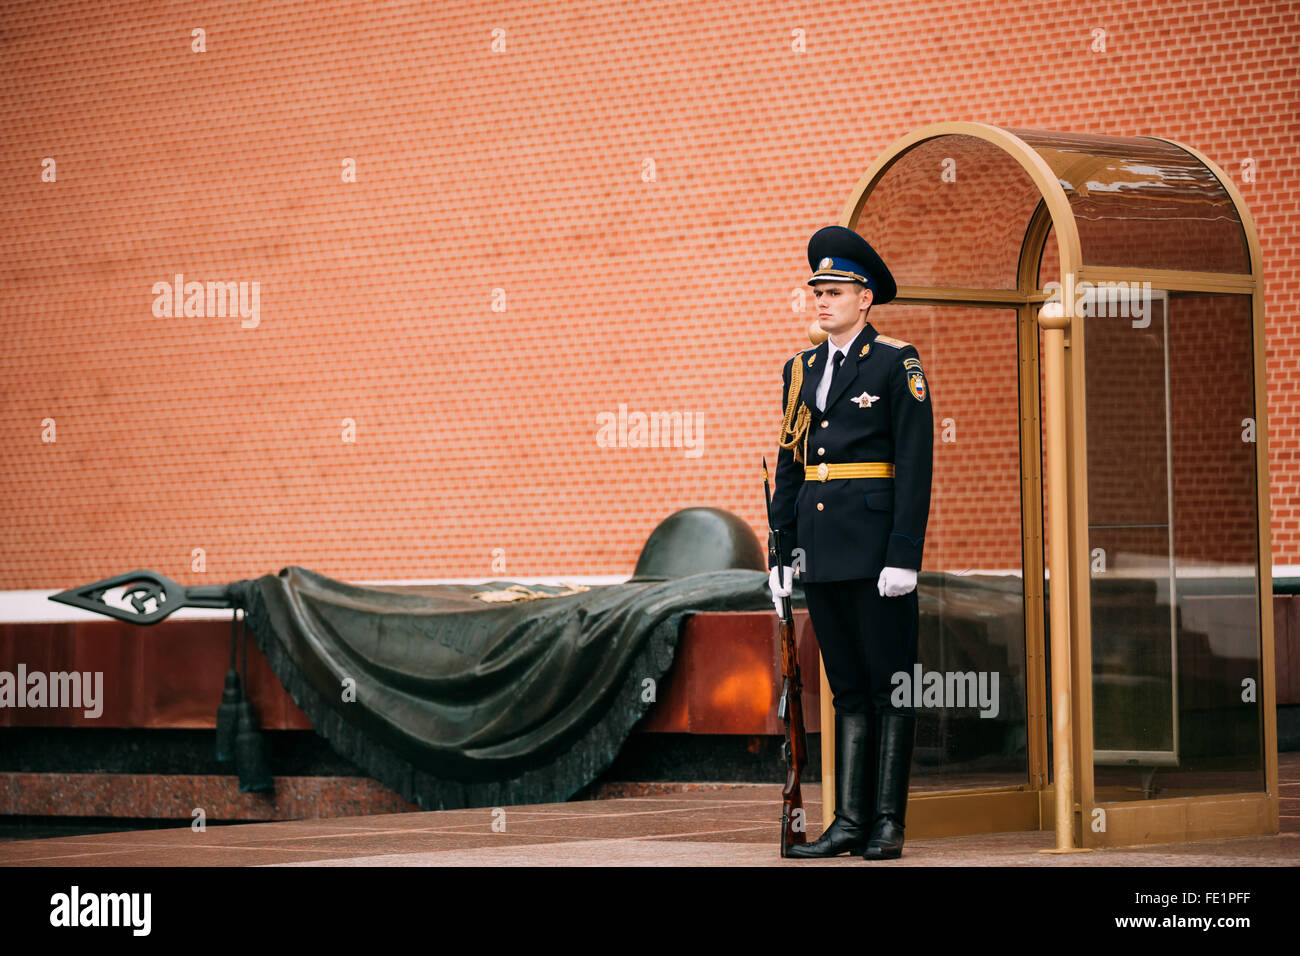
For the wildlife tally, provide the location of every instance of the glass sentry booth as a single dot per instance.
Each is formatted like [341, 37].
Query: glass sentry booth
[1090, 313]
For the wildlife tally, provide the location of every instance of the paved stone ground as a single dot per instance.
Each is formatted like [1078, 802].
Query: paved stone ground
[702, 826]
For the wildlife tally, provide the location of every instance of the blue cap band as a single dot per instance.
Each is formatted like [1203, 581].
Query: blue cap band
[843, 270]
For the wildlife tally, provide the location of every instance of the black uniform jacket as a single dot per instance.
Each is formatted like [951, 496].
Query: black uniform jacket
[878, 410]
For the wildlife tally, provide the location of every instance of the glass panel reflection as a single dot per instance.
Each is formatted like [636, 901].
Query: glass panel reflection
[1173, 537]
[1130, 533]
[1139, 202]
[951, 212]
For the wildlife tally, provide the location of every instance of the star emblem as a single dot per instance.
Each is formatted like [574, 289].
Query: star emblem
[865, 401]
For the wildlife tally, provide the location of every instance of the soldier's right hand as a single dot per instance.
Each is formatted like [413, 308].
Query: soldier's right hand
[779, 589]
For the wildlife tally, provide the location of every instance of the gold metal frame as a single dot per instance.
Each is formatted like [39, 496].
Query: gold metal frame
[1038, 804]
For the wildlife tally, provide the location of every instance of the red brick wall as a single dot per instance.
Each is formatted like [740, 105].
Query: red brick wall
[520, 170]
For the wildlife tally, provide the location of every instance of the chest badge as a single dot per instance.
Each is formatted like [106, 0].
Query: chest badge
[865, 401]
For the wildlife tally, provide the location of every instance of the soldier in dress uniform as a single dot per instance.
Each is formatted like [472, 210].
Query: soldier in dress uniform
[852, 497]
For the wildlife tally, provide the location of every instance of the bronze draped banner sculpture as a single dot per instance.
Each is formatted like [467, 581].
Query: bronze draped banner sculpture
[454, 700]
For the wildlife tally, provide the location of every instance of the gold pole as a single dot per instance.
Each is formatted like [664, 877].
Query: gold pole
[1053, 320]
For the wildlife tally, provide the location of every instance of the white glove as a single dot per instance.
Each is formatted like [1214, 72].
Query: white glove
[778, 590]
[895, 582]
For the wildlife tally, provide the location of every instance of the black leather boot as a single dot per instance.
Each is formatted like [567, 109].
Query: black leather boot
[855, 775]
[896, 733]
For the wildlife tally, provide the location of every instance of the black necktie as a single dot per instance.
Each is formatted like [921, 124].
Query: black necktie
[839, 364]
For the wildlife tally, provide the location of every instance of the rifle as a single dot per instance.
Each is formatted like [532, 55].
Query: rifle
[790, 708]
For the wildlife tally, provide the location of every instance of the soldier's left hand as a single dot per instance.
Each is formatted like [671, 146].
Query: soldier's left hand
[895, 582]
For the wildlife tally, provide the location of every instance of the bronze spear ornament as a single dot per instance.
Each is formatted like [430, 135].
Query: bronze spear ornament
[142, 589]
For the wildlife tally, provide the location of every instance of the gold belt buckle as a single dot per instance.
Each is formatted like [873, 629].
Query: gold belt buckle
[823, 471]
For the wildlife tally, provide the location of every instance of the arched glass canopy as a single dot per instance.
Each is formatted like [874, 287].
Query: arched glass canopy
[1120, 448]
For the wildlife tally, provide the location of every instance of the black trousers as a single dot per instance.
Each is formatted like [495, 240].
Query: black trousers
[865, 639]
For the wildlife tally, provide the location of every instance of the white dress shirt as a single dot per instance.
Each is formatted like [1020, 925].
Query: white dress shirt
[823, 389]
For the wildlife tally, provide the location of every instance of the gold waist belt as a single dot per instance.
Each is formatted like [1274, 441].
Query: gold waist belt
[856, 469]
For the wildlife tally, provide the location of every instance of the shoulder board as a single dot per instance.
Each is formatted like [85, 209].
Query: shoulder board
[889, 340]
